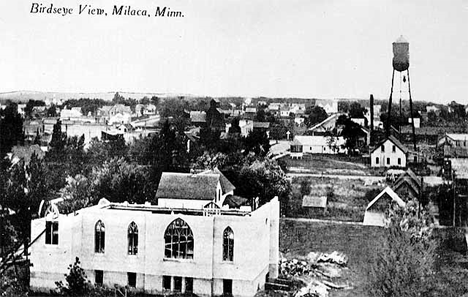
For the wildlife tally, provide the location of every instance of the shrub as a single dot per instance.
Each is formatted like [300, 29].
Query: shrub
[403, 263]
[77, 284]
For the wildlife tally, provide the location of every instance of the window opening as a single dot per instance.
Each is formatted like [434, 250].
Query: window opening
[99, 237]
[179, 241]
[228, 244]
[132, 239]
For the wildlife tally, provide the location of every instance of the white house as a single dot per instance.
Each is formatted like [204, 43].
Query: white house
[376, 209]
[154, 249]
[454, 140]
[433, 108]
[417, 122]
[316, 145]
[284, 112]
[73, 113]
[120, 118]
[390, 152]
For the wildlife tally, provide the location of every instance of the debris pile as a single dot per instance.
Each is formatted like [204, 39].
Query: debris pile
[319, 272]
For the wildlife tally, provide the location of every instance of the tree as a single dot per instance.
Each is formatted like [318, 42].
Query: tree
[260, 115]
[59, 138]
[118, 99]
[356, 110]
[458, 110]
[26, 187]
[278, 130]
[155, 100]
[257, 142]
[77, 283]
[119, 181]
[235, 129]
[316, 115]
[30, 105]
[351, 132]
[52, 111]
[431, 117]
[403, 262]
[11, 129]
[264, 179]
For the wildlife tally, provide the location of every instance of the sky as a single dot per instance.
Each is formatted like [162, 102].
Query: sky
[287, 48]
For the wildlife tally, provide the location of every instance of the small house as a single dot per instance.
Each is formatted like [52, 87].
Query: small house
[184, 190]
[408, 185]
[375, 214]
[315, 205]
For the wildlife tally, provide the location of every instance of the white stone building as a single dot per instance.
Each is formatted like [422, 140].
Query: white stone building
[155, 249]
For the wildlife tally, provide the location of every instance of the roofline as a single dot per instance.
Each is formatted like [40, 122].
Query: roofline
[381, 194]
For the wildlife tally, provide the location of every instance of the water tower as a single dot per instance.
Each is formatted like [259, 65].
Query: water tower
[401, 65]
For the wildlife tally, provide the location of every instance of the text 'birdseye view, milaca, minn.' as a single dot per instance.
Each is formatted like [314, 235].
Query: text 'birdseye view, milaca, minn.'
[238, 149]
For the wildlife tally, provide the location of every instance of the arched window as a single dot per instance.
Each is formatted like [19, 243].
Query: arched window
[178, 240]
[132, 239]
[228, 244]
[99, 237]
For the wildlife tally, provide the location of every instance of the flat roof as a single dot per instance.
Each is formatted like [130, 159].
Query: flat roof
[171, 210]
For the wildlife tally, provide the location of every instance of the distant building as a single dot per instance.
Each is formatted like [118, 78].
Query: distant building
[275, 106]
[360, 121]
[284, 112]
[71, 114]
[329, 105]
[198, 118]
[150, 109]
[376, 209]
[215, 117]
[316, 145]
[261, 126]
[298, 108]
[417, 122]
[299, 121]
[326, 125]
[433, 108]
[390, 152]
[155, 249]
[454, 140]
[408, 185]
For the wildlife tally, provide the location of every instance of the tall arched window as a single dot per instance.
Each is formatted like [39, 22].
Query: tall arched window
[99, 237]
[178, 240]
[132, 235]
[228, 244]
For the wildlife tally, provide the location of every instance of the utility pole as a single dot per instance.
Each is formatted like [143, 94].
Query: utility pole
[1, 214]
[454, 196]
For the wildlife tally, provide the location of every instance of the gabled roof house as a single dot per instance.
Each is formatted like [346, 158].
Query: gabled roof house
[390, 152]
[187, 190]
[376, 209]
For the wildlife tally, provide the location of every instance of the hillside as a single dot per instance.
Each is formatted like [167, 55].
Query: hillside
[24, 96]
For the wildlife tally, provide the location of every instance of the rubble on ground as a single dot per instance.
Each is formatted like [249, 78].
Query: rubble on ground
[319, 272]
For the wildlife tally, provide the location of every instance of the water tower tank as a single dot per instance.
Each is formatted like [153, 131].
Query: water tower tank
[401, 54]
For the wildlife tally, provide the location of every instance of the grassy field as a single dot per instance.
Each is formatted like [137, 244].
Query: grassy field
[328, 164]
[347, 198]
[298, 238]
